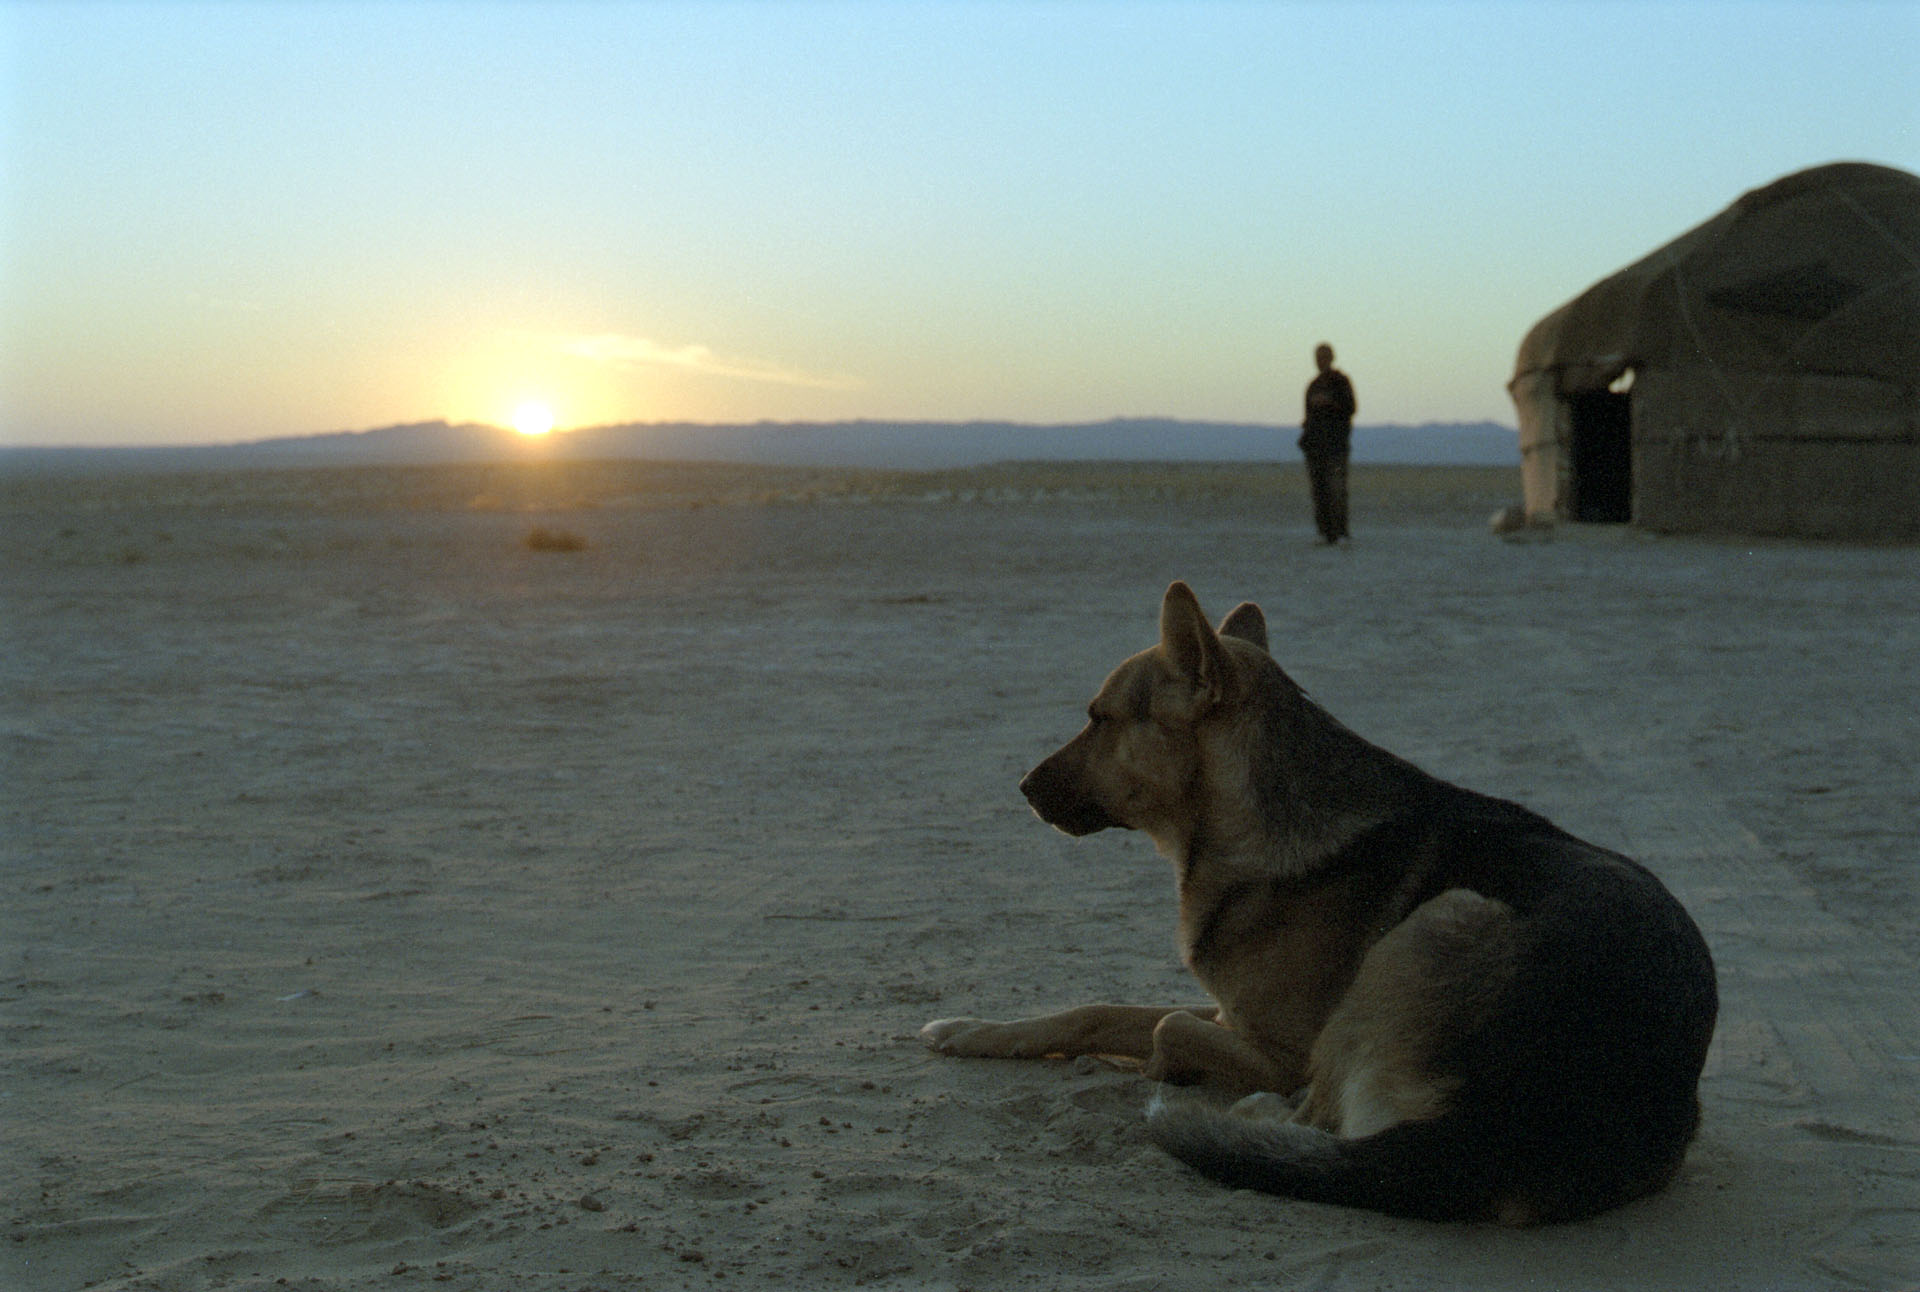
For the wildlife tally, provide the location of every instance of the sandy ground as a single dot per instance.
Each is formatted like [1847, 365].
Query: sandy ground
[388, 904]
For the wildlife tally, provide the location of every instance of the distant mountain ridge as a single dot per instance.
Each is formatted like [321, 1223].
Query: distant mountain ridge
[874, 444]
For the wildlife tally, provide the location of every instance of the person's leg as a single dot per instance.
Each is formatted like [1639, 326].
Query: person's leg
[1320, 483]
[1337, 496]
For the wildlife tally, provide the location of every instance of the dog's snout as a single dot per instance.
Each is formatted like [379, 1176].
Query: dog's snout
[1027, 784]
[1033, 787]
[1058, 798]
[1046, 784]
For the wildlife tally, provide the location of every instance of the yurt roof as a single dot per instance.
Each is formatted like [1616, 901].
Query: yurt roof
[1816, 272]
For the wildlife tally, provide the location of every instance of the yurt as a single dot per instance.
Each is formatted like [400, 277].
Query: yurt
[1758, 375]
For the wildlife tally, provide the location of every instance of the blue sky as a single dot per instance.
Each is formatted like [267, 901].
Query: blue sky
[237, 220]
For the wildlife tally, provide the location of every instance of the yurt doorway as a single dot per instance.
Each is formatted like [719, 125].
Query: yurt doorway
[1602, 425]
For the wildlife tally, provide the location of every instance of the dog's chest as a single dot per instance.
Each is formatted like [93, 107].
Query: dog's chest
[1269, 955]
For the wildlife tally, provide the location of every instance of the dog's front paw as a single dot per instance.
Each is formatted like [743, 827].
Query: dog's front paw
[939, 1034]
[966, 1036]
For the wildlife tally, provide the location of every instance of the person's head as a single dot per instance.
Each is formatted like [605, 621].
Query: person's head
[1323, 356]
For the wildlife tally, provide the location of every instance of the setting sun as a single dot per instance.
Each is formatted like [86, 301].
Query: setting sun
[533, 419]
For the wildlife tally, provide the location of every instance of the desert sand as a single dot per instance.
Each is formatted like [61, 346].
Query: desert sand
[391, 903]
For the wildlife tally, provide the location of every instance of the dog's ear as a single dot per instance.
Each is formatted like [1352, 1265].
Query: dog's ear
[1189, 642]
[1247, 623]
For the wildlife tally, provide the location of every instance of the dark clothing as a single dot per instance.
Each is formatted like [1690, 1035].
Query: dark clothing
[1325, 437]
[1327, 474]
[1328, 425]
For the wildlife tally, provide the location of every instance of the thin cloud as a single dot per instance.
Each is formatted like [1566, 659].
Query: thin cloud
[633, 351]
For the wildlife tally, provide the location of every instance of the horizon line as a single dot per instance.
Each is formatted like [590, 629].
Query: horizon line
[754, 424]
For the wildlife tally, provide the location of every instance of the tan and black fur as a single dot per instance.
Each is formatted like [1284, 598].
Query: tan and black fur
[1483, 1017]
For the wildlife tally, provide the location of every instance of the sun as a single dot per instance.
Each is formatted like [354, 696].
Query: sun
[533, 419]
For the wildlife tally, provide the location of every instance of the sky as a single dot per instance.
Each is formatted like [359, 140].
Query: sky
[239, 220]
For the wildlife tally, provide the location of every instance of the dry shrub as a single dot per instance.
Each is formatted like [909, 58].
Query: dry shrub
[542, 539]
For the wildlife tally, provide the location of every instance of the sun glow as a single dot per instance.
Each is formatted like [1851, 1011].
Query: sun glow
[533, 419]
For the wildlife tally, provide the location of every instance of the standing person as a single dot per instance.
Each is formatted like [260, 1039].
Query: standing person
[1325, 438]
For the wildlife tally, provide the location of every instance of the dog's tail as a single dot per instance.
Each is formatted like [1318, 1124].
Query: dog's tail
[1427, 1170]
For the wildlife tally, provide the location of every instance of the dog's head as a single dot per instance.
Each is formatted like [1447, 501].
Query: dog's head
[1137, 762]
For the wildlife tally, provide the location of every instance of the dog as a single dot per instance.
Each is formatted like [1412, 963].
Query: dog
[1479, 1017]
